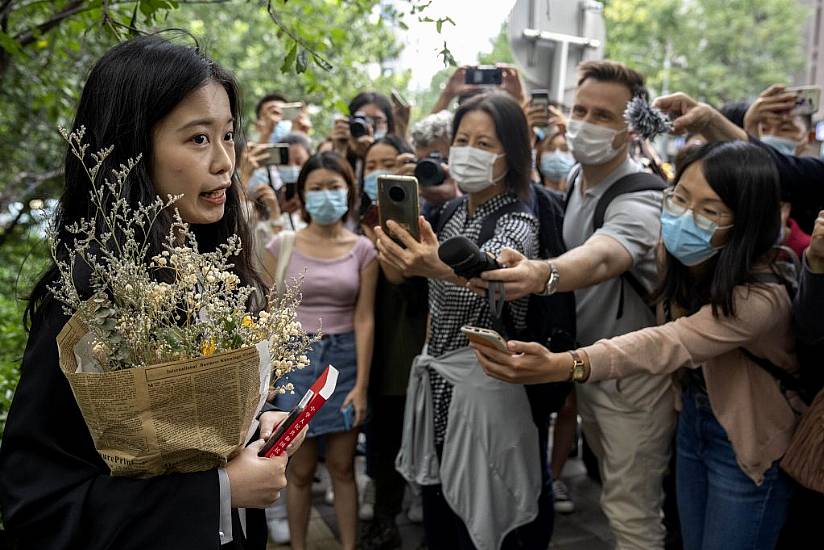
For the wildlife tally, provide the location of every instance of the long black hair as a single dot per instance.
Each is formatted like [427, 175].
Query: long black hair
[128, 91]
[512, 131]
[746, 180]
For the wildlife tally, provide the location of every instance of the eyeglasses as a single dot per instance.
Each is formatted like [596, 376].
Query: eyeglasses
[706, 218]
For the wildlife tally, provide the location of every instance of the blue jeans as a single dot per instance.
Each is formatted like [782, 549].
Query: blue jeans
[720, 507]
[339, 350]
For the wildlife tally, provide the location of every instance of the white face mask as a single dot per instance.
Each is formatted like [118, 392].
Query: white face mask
[591, 144]
[472, 168]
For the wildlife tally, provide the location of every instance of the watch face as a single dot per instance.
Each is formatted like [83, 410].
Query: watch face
[578, 372]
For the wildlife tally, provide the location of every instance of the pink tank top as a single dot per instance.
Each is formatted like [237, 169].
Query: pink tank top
[330, 287]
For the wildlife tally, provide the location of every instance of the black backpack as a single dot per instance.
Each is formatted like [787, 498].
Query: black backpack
[631, 183]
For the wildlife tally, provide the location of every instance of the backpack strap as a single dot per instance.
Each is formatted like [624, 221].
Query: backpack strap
[571, 177]
[631, 183]
[446, 212]
[491, 221]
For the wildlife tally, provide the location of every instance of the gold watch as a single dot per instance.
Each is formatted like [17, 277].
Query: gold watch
[578, 372]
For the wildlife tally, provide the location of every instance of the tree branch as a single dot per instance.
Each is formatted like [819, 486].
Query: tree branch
[319, 59]
[27, 37]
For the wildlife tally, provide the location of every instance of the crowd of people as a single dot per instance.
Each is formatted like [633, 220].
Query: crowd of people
[678, 317]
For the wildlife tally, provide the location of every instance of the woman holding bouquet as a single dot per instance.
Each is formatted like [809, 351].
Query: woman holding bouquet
[179, 109]
[340, 275]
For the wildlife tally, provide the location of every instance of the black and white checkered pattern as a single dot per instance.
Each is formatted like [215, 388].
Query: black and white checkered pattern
[453, 306]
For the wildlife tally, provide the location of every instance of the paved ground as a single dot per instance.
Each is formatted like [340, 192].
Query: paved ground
[585, 529]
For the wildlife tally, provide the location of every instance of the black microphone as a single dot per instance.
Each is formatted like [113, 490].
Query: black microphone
[465, 258]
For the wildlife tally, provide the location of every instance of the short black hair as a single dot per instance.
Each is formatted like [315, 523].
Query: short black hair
[734, 111]
[512, 131]
[745, 178]
[274, 96]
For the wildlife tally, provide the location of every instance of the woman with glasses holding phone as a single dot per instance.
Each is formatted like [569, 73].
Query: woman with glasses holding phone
[727, 314]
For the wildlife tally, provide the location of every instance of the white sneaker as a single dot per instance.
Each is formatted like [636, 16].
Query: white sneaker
[367, 507]
[279, 531]
[563, 504]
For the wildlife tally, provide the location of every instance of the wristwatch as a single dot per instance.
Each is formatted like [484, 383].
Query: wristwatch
[552, 282]
[578, 372]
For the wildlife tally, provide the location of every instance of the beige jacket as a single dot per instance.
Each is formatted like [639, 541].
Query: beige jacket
[746, 400]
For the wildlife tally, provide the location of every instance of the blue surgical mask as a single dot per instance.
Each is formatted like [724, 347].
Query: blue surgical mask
[282, 128]
[690, 244]
[289, 174]
[370, 184]
[327, 207]
[556, 165]
[380, 133]
[784, 145]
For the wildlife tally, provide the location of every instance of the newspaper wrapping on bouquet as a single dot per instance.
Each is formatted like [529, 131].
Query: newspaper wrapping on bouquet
[185, 416]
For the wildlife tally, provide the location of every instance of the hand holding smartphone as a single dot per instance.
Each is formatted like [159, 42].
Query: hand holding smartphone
[398, 201]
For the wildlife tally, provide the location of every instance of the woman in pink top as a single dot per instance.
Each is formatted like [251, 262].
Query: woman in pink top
[727, 312]
[340, 274]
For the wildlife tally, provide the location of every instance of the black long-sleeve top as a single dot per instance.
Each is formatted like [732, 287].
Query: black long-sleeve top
[802, 184]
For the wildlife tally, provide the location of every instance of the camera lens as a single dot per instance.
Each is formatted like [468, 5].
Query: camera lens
[429, 172]
[396, 193]
[358, 126]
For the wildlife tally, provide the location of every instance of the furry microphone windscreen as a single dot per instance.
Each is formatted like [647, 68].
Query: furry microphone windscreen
[645, 120]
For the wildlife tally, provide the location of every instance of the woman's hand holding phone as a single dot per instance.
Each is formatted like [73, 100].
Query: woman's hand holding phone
[418, 259]
[357, 400]
[523, 363]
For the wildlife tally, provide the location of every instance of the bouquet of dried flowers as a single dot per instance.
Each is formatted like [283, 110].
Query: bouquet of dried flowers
[172, 320]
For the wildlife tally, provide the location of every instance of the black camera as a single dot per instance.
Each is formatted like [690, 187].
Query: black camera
[465, 258]
[359, 125]
[429, 170]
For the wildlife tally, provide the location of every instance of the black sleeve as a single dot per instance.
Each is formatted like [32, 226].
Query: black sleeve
[807, 307]
[802, 184]
[56, 492]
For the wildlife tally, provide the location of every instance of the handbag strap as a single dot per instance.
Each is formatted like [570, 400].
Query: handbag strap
[287, 244]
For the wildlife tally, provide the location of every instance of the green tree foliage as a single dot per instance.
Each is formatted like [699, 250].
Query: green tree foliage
[264, 58]
[719, 50]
